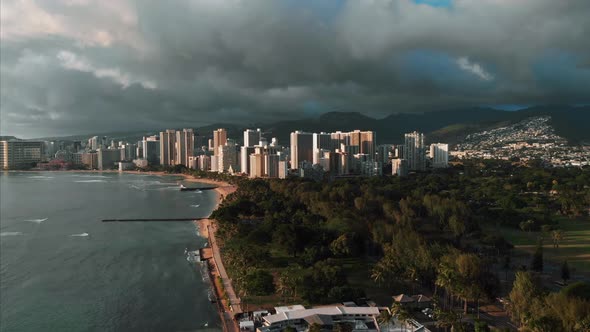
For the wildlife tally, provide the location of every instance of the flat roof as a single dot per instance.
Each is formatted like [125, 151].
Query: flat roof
[330, 311]
[289, 308]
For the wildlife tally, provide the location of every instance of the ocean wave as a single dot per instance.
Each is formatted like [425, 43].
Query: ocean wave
[90, 181]
[91, 176]
[169, 188]
[10, 233]
[81, 234]
[195, 205]
[40, 177]
[38, 221]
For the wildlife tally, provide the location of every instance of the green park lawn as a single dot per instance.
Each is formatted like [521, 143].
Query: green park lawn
[575, 246]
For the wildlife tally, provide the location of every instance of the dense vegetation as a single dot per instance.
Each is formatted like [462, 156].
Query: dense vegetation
[292, 237]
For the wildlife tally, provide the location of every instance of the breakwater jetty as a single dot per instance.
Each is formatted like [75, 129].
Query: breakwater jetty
[152, 219]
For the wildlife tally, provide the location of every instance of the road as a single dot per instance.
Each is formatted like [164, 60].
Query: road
[228, 323]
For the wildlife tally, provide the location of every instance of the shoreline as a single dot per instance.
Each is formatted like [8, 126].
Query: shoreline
[206, 228]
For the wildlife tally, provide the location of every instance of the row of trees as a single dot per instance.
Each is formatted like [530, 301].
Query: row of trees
[420, 230]
[537, 310]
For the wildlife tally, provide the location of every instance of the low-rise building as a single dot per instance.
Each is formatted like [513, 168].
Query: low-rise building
[360, 318]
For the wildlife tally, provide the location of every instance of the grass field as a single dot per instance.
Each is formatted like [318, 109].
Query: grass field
[575, 246]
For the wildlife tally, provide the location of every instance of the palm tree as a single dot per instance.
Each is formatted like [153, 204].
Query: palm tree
[557, 236]
[446, 319]
[401, 313]
[377, 274]
[446, 280]
[385, 317]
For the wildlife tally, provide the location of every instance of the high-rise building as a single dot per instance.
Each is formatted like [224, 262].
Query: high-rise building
[301, 148]
[214, 164]
[16, 154]
[90, 159]
[271, 165]
[151, 149]
[228, 157]
[399, 167]
[219, 139]
[365, 140]
[128, 151]
[321, 141]
[193, 162]
[439, 153]
[168, 147]
[339, 138]
[256, 165]
[245, 152]
[385, 152]
[107, 158]
[185, 146]
[204, 162]
[93, 143]
[252, 137]
[414, 152]
[283, 169]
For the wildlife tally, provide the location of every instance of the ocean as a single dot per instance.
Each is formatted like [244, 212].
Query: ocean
[62, 269]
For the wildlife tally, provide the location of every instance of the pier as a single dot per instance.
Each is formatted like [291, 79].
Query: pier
[152, 219]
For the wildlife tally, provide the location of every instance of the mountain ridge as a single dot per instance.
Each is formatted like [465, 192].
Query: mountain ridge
[570, 122]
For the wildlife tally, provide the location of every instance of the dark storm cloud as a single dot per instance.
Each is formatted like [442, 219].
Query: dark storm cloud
[76, 66]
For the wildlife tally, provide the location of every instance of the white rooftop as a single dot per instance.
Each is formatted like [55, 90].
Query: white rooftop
[289, 308]
[331, 311]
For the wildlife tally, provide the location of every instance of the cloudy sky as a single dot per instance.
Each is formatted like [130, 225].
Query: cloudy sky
[81, 66]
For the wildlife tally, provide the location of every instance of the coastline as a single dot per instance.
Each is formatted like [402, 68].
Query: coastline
[207, 228]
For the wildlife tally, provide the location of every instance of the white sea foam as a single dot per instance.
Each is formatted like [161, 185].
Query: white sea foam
[38, 221]
[195, 205]
[40, 177]
[169, 188]
[89, 181]
[10, 233]
[90, 176]
[81, 234]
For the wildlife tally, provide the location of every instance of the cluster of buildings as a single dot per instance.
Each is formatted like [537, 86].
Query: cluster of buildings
[359, 318]
[530, 139]
[307, 154]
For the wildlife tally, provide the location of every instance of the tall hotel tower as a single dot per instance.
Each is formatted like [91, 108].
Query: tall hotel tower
[185, 146]
[301, 148]
[219, 139]
[168, 147]
[414, 151]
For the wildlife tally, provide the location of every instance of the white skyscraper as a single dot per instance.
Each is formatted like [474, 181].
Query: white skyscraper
[227, 156]
[439, 153]
[414, 151]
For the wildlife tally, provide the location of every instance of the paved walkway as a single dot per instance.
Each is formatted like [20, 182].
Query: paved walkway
[233, 299]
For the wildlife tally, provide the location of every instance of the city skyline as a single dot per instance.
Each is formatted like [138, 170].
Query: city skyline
[94, 66]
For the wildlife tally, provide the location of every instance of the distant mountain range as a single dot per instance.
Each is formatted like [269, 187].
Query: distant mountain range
[572, 123]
